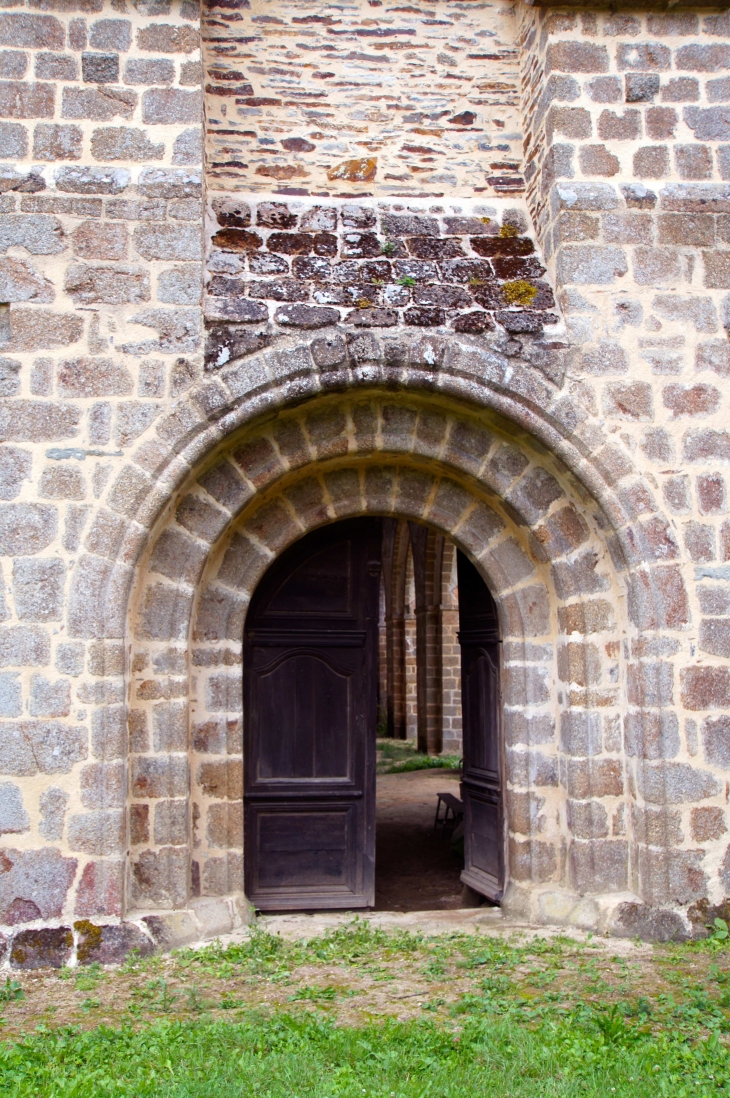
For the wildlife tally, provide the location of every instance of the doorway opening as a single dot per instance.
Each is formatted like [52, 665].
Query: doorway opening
[372, 644]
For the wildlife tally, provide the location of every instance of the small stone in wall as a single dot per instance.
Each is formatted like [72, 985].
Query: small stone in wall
[100, 68]
[33, 884]
[466, 118]
[641, 87]
[272, 215]
[15, 464]
[361, 170]
[237, 240]
[109, 944]
[53, 803]
[306, 316]
[297, 144]
[474, 323]
[10, 703]
[100, 889]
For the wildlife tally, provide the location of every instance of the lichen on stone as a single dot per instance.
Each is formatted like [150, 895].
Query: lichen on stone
[89, 939]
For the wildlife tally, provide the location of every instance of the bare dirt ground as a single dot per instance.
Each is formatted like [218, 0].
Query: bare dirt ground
[388, 964]
[415, 866]
[393, 982]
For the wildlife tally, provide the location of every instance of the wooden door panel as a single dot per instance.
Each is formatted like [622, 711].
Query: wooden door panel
[303, 851]
[481, 785]
[482, 842]
[303, 700]
[310, 660]
[480, 686]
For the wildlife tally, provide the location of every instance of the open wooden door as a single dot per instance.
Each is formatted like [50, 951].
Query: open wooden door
[309, 688]
[481, 787]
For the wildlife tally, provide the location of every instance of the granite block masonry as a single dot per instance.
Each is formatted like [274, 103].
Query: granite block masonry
[270, 266]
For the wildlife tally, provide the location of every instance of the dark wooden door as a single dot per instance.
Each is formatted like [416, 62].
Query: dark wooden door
[481, 710]
[310, 694]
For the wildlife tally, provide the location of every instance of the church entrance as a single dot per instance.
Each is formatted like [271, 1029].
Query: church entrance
[315, 651]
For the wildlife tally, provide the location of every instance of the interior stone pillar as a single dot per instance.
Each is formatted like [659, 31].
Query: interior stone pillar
[395, 553]
[428, 548]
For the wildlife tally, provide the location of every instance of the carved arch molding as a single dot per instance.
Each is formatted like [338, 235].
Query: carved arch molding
[480, 443]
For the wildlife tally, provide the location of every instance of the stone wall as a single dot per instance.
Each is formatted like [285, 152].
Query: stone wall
[278, 266]
[626, 162]
[364, 99]
[101, 180]
[363, 349]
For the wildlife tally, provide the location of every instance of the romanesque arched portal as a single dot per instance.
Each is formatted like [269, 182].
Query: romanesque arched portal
[581, 764]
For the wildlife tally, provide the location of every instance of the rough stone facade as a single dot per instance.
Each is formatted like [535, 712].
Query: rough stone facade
[521, 342]
[330, 101]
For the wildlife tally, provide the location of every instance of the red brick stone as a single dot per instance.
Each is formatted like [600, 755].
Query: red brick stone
[643, 57]
[597, 160]
[711, 494]
[707, 824]
[166, 38]
[628, 400]
[701, 58]
[693, 161]
[34, 32]
[661, 123]
[23, 100]
[615, 127]
[651, 162]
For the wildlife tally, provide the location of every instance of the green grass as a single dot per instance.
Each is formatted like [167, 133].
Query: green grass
[491, 1052]
[400, 756]
[542, 1018]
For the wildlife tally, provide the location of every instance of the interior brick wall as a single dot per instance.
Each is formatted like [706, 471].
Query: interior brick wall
[450, 652]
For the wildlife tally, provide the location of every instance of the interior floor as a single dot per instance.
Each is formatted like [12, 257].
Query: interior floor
[416, 868]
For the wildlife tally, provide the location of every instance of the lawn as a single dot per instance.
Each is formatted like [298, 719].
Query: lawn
[365, 1012]
[400, 756]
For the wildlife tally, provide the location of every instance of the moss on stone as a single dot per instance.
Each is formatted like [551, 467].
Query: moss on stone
[519, 292]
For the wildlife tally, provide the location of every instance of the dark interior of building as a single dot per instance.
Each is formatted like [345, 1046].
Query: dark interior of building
[371, 705]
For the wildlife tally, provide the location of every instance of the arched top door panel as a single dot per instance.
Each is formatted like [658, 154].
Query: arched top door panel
[320, 585]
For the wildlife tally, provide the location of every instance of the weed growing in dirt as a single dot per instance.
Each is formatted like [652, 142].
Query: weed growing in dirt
[90, 977]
